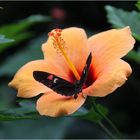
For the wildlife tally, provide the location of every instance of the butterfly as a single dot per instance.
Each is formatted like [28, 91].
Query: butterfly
[62, 86]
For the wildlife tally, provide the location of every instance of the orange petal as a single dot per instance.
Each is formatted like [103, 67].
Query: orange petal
[54, 104]
[113, 76]
[76, 49]
[110, 45]
[25, 83]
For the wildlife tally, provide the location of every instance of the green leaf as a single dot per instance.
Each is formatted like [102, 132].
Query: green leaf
[15, 114]
[92, 114]
[17, 31]
[133, 55]
[120, 18]
[18, 114]
[5, 40]
[26, 110]
[138, 4]
[17, 60]
[22, 25]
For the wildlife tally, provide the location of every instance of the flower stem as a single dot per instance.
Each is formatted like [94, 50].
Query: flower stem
[111, 124]
[106, 130]
[106, 118]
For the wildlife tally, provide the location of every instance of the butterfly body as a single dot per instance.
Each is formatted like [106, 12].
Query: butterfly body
[62, 86]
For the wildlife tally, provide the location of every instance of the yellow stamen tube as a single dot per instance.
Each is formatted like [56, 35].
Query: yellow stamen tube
[56, 34]
[70, 64]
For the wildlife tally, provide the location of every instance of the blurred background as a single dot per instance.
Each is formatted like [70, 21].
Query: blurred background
[28, 24]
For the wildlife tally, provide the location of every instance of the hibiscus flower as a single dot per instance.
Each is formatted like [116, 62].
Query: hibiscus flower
[65, 55]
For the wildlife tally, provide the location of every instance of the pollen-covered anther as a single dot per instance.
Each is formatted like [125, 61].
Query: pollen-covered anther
[58, 34]
[57, 39]
[55, 33]
[50, 34]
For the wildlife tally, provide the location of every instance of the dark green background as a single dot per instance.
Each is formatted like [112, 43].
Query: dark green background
[123, 103]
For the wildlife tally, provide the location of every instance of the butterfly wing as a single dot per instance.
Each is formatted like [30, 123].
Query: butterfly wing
[54, 82]
[60, 85]
[85, 70]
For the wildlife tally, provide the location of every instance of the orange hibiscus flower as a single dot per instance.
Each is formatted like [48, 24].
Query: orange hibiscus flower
[65, 56]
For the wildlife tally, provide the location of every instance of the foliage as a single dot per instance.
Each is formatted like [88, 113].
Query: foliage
[93, 114]
[17, 114]
[4, 40]
[133, 55]
[120, 18]
[138, 4]
[32, 52]
[17, 30]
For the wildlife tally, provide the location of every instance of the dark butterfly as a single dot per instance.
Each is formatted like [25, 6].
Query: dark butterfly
[62, 86]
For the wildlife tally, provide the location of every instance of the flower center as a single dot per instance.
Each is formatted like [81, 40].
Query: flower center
[59, 44]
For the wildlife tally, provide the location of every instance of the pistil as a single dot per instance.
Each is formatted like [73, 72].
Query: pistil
[59, 43]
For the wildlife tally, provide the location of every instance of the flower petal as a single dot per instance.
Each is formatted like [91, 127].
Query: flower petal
[25, 83]
[110, 45]
[76, 46]
[54, 104]
[113, 76]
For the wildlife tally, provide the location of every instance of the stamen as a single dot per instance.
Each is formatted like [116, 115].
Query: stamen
[59, 43]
